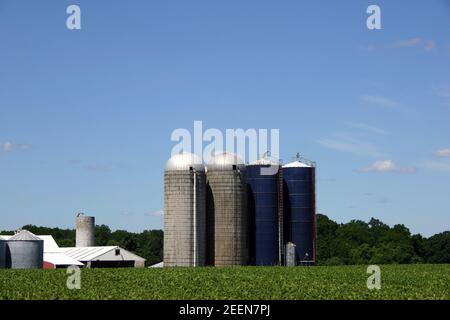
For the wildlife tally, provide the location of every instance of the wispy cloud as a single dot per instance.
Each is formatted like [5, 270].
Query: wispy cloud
[437, 165]
[387, 166]
[381, 101]
[9, 146]
[386, 103]
[427, 45]
[366, 127]
[444, 152]
[98, 167]
[443, 92]
[126, 213]
[418, 42]
[347, 143]
[158, 213]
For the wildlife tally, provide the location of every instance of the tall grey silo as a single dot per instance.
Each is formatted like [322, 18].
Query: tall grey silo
[2, 253]
[227, 212]
[24, 250]
[85, 232]
[184, 211]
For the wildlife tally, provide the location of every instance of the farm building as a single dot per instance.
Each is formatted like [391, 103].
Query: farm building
[90, 257]
[104, 257]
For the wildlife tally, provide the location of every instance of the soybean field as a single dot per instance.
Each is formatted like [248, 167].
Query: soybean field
[271, 283]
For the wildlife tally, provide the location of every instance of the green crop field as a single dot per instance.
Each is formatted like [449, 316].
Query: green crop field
[342, 282]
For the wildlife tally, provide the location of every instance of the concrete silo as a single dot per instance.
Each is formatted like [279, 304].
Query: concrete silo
[227, 212]
[300, 208]
[24, 250]
[2, 253]
[184, 211]
[85, 231]
[265, 211]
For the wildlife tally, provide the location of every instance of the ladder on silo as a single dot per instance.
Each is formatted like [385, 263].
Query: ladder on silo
[280, 217]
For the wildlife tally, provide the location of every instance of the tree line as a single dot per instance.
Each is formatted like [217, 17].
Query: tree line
[374, 242]
[352, 243]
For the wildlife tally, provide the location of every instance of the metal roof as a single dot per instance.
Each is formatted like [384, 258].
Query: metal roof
[297, 164]
[225, 162]
[184, 161]
[60, 259]
[24, 235]
[85, 254]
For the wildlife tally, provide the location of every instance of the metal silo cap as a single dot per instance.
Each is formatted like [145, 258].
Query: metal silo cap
[184, 162]
[24, 235]
[225, 162]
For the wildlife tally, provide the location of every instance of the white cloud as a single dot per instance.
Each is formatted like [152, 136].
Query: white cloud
[98, 167]
[346, 143]
[445, 152]
[381, 101]
[366, 127]
[10, 146]
[158, 213]
[7, 147]
[126, 213]
[427, 45]
[387, 103]
[442, 91]
[387, 166]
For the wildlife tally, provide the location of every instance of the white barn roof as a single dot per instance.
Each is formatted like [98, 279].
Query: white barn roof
[107, 253]
[60, 259]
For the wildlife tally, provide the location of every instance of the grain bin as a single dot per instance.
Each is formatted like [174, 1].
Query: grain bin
[2, 253]
[227, 212]
[24, 250]
[184, 211]
[263, 187]
[85, 231]
[299, 208]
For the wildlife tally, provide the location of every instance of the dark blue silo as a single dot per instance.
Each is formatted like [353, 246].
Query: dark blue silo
[299, 209]
[262, 190]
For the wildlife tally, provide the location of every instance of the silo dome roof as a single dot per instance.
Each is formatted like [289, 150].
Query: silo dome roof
[224, 162]
[265, 161]
[24, 235]
[297, 164]
[184, 161]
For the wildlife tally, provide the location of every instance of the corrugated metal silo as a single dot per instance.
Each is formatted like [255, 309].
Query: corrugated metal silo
[85, 231]
[263, 186]
[184, 211]
[299, 208]
[227, 212]
[2, 253]
[24, 251]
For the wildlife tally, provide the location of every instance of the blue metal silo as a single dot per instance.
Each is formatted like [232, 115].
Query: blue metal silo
[263, 208]
[300, 209]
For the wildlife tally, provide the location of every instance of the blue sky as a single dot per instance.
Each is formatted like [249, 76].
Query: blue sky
[86, 115]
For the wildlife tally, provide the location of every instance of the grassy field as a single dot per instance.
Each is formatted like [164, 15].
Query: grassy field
[343, 282]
